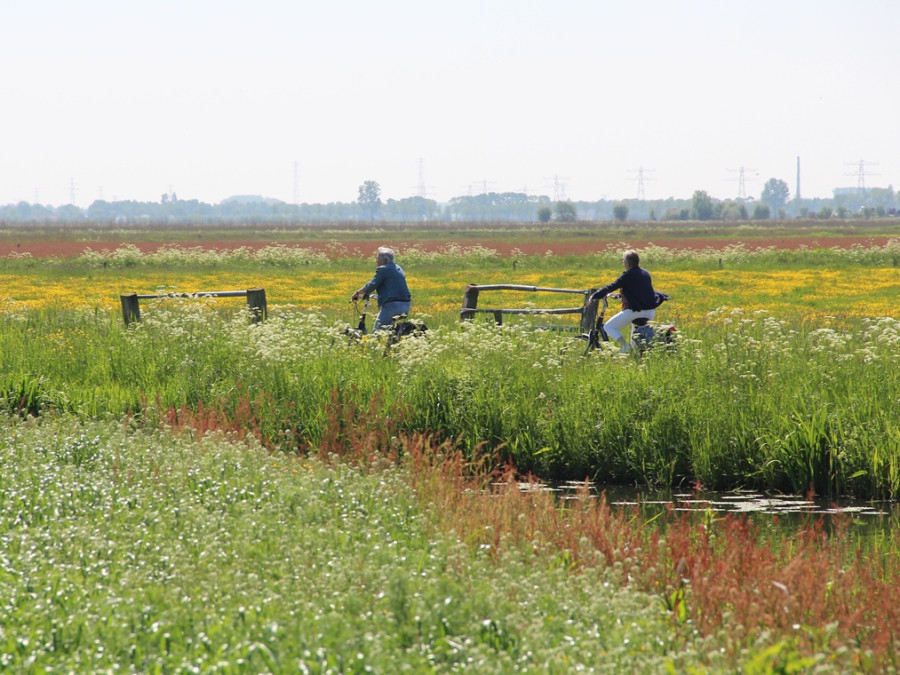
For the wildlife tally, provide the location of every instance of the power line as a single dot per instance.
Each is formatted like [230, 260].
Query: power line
[559, 188]
[422, 187]
[640, 180]
[861, 173]
[742, 180]
[484, 182]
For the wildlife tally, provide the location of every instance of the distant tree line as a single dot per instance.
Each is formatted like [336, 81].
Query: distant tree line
[774, 202]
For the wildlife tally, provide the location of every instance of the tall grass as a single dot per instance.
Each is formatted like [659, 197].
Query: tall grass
[337, 505]
[752, 401]
[132, 549]
[142, 552]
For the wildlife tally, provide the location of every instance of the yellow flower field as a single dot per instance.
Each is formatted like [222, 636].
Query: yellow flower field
[807, 293]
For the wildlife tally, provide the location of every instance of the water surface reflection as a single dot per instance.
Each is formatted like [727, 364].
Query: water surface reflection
[789, 510]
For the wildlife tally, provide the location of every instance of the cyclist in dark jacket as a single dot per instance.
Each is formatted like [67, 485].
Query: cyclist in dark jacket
[389, 283]
[638, 298]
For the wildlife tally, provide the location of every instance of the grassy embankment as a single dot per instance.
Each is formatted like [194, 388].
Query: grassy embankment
[127, 548]
[771, 386]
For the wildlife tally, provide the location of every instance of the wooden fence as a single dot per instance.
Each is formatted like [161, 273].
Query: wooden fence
[256, 301]
[588, 309]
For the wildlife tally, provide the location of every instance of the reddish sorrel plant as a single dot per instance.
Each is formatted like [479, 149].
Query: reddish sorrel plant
[815, 585]
[366, 437]
[814, 592]
[241, 419]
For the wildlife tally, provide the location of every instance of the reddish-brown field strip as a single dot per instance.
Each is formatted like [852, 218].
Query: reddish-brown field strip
[70, 249]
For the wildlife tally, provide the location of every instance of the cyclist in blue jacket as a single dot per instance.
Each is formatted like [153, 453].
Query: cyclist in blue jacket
[389, 283]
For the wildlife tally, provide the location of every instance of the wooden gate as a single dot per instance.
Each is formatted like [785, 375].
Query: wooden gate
[587, 310]
[256, 301]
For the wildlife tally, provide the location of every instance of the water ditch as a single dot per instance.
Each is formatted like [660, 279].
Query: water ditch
[766, 510]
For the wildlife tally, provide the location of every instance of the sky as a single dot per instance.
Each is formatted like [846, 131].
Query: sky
[304, 100]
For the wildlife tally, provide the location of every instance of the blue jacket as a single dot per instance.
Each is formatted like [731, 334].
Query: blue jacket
[636, 288]
[390, 284]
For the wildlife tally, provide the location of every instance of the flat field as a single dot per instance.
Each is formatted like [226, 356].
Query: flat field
[782, 331]
[66, 241]
[808, 271]
[198, 492]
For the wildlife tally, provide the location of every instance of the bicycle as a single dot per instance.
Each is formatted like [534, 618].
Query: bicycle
[643, 334]
[401, 327]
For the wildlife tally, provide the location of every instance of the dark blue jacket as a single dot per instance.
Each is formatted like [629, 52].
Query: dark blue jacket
[390, 284]
[636, 288]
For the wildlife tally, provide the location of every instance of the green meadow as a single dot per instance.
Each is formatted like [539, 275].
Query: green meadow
[790, 386]
[198, 492]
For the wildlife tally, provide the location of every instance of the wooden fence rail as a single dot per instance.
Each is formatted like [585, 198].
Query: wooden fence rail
[588, 309]
[256, 301]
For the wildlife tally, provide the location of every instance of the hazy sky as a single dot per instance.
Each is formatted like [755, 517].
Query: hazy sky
[305, 100]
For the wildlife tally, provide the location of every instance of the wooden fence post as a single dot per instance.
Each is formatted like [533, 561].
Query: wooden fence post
[589, 313]
[256, 301]
[131, 309]
[470, 301]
